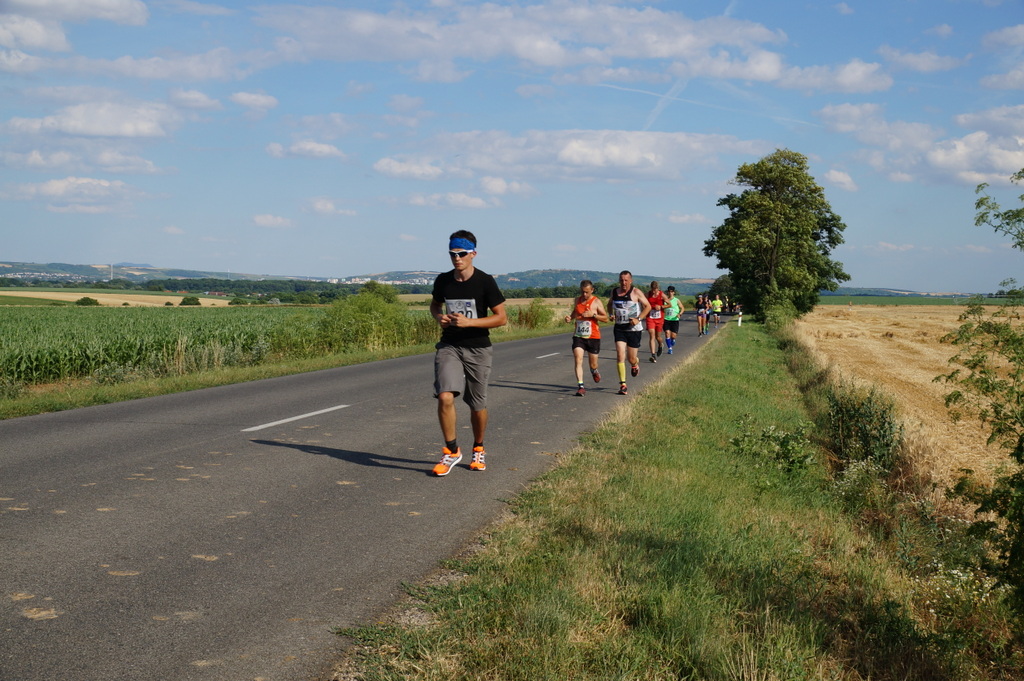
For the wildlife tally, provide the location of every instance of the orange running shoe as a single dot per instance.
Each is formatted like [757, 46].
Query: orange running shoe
[448, 461]
[478, 463]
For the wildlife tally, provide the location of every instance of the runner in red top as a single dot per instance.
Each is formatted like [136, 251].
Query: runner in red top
[656, 320]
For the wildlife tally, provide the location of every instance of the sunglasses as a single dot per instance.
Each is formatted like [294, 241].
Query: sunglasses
[459, 254]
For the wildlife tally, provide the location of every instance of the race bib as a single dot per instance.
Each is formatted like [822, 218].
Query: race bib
[655, 314]
[625, 310]
[583, 328]
[466, 308]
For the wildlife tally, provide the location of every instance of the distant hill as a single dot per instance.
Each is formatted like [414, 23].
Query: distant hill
[58, 271]
[527, 279]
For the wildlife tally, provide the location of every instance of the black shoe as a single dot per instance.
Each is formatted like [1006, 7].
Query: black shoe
[581, 392]
[622, 389]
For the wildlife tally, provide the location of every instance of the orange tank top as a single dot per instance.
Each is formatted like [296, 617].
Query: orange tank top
[586, 328]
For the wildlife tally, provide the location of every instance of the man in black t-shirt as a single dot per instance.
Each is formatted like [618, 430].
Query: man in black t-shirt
[467, 303]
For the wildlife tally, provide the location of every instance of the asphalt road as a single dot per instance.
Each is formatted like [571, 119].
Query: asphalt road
[206, 536]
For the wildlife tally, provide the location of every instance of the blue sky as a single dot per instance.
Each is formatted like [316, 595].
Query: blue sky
[343, 138]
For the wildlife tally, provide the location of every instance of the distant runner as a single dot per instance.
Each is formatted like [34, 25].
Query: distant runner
[716, 308]
[629, 308]
[673, 312]
[655, 320]
[460, 303]
[586, 339]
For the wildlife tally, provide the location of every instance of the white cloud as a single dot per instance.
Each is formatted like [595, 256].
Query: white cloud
[841, 180]
[39, 160]
[271, 221]
[448, 200]
[977, 157]
[172, 229]
[552, 36]
[114, 161]
[1012, 80]
[305, 149]
[106, 119]
[688, 219]
[923, 62]
[866, 122]
[197, 8]
[855, 76]
[497, 186]
[255, 101]
[416, 170]
[885, 247]
[130, 12]
[1004, 120]
[843, 8]
[325, 206]
[78, 194]
[942, 30]
[1011, 36]
[327, 126]
[25, 32]
[908, 150]
[194, 99]
[972, 248]
[583, 154]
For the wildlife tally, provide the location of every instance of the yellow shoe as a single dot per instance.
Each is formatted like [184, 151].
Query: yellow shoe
[478, 463]
[448, 461]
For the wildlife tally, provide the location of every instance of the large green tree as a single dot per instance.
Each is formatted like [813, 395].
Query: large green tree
[776, 241]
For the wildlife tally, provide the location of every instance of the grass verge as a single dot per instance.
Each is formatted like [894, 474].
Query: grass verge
[667, 546]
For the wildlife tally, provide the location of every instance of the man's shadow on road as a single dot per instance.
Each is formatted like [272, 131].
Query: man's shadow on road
[359, 458]
[532, 387]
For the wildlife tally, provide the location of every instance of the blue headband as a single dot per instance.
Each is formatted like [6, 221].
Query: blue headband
[464, 244]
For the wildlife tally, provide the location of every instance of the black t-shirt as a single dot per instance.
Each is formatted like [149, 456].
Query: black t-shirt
[473, 298]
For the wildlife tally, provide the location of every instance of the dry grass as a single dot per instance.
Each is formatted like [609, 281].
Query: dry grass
[897, 348]
[115, 299]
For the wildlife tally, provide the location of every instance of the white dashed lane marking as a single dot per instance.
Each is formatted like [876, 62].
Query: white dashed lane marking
[294, 418]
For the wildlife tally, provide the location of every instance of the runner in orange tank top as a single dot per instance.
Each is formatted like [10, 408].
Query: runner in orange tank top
[586, 339]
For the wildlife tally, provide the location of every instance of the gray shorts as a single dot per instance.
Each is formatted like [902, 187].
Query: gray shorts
[463, 371]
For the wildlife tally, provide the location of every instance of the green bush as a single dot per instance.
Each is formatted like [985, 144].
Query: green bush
[536, 315]
[190, 300]
[10, 389]
[86, 301]
[862, 424]
[365, 321]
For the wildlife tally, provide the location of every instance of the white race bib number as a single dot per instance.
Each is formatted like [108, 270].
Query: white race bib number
[583, 328]
[466, 308]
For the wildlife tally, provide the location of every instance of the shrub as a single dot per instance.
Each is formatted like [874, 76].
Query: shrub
[536, 315]
[10, 389]
[862, 424]
[773, 450]
[190, 300]
[87, 301]
[238, 301]
[365, 321]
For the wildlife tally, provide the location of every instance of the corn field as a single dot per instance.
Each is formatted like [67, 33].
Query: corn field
[46, 344]
[113, 345]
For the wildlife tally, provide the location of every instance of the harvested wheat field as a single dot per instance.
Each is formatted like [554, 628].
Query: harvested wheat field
[115, 299]
[897, 349]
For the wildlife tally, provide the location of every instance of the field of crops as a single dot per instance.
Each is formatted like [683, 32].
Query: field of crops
[897, 300]
[41, 344]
